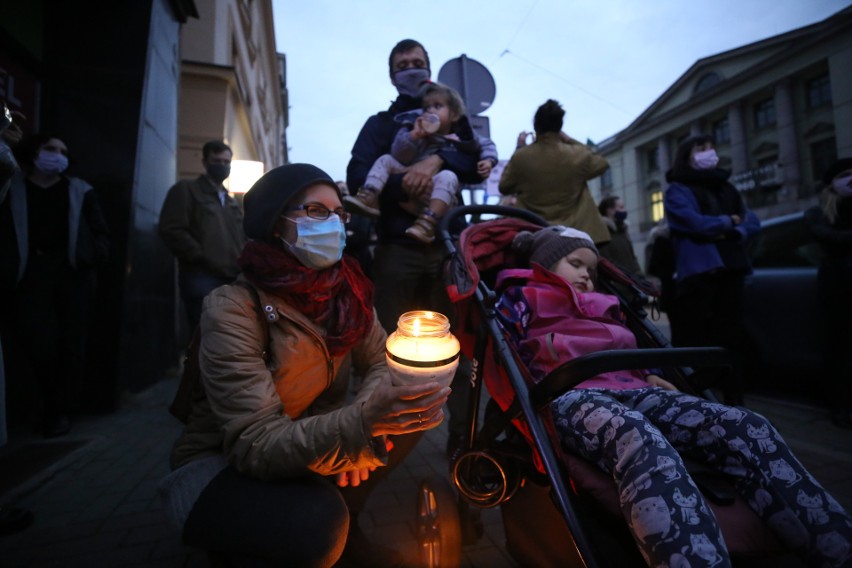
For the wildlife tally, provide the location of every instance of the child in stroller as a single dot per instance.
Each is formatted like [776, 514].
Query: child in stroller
[634, 425]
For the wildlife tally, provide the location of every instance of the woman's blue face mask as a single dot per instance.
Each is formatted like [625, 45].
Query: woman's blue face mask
[319, 243]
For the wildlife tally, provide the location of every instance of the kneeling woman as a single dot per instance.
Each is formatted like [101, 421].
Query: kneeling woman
[634, 425]
[254, 471]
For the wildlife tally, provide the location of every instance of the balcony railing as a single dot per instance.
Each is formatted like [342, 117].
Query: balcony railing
[769, 176]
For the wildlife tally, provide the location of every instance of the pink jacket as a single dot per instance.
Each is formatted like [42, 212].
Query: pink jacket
[550, 323]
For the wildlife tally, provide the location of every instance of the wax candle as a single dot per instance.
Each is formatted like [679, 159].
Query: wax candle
[422, 349]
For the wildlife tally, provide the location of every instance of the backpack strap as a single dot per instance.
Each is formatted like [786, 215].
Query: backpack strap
[190, 379]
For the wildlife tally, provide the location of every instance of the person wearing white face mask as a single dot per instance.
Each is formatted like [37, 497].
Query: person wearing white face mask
[53, 236]
[831, 224]
[274, 465]
[711, 227]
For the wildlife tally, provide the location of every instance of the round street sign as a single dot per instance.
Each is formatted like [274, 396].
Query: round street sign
[472, 80]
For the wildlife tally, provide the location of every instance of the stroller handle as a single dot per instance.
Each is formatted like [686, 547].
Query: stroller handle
[447, 220]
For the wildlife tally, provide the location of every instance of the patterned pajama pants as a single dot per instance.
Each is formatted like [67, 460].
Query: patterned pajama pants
[637, 436]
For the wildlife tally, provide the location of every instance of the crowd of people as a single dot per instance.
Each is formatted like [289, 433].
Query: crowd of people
[278, 455]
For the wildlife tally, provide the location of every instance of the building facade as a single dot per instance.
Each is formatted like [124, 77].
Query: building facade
[231, 84]
[780, 110]
[134, 100]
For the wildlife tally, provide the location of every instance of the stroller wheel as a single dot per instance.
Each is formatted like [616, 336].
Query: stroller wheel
[438, 526]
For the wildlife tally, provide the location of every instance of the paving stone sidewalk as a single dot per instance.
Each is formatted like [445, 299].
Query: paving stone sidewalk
[97, 505]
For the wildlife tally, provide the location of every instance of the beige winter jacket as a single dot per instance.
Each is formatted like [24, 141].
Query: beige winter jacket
[549, 178]
[286, 416]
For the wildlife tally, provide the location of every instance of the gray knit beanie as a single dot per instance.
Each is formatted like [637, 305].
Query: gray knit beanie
[268, 197]
[547, 246]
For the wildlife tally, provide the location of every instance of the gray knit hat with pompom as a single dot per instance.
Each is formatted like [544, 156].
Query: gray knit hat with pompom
[547, 246]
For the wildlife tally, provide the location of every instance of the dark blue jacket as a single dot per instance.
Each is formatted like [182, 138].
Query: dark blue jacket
[373, 141]
[707, 240]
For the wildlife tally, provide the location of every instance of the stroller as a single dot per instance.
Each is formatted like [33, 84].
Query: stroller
[557, 509]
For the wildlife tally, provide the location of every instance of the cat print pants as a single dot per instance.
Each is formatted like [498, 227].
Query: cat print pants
[639, 435]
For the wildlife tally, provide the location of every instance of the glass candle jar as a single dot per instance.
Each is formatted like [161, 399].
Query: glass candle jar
[422, 349]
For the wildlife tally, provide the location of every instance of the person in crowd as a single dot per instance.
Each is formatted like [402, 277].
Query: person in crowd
[273, 465]
[53, 236]
[12, 518]
[202, 226]
[408, 274]
[549, 176]
[710, 227]
[831, 224]
[660, 263]
[635, 425]
[619, 249]
[442, 123]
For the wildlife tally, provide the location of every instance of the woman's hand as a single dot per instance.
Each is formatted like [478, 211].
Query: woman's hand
[658, 381]
[405, 409]
[354, 477]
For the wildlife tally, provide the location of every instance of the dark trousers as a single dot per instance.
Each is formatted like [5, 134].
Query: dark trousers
[50, 329]
[291, 522]
[709, 312]
[412, 278]
[194, 286]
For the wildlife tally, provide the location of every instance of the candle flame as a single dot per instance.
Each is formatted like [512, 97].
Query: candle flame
[416, 326]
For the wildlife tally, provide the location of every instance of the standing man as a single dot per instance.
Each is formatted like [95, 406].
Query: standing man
[406, 272]
[203, 227]
[548, 177]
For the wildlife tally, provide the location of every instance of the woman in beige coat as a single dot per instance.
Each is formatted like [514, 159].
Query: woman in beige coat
[548, 177]
[273, 461]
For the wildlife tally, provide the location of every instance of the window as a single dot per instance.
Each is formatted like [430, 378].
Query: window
[651, 159]
[657, 206]
[764, 113]
[707, 81]
[823, 154]
[606, 178]
[722, 131]
[818, 91]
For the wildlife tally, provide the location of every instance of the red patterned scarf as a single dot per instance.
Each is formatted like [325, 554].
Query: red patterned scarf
[339, 297]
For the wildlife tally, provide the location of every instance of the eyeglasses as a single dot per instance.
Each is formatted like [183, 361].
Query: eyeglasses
[321, 212]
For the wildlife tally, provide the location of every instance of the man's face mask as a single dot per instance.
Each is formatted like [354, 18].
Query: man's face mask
[51, 162]
[218, 172]
[843, 185]
[705, 159]
[620, 216]
[319, 243]
[409, 81]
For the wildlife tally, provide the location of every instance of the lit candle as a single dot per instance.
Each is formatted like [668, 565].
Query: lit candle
[422, 349]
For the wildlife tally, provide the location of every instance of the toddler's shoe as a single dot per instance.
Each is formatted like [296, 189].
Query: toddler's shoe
[366, 202]
[423, 228]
